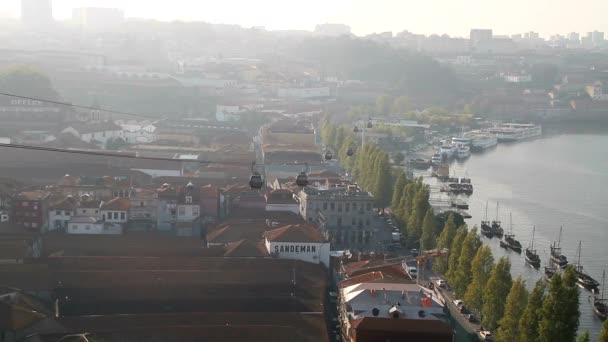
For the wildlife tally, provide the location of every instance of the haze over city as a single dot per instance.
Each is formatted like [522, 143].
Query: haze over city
[312, 171]
[424, 17]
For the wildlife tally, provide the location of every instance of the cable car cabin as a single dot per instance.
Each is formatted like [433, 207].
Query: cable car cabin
[328, 155]
[256, 181]
[369, 125]
[356, 129]
[302, 179]
[350, 152]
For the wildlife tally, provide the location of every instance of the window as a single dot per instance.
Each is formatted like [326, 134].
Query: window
[332, 206]
[325, 206]
[347, 207]
[141, 204]
[355, 206]
[68, 213]
[339, 223]
[87, 227]
[116, 215]
[194, 211]
[354, 221]
[367, 222]
[57, 223]
[369, 206]
[123, 215]
[340, 207]
[182, 211]
[58, 212]
[96, 211]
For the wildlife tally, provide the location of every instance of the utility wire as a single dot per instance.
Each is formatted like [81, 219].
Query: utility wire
[116, 155]
[81, 106]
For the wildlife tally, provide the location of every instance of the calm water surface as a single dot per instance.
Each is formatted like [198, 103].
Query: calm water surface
[558, 180]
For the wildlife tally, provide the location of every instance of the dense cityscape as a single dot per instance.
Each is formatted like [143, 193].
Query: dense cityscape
[189, 181]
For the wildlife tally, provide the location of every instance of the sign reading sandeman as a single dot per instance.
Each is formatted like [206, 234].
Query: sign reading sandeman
[295, 249]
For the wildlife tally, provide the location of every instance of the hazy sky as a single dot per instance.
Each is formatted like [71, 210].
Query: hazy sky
[455, 17]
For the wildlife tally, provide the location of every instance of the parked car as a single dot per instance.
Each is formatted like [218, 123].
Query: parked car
[458, 303]
[486, 335]
[441, 283]
[471, 318]
[414, 252]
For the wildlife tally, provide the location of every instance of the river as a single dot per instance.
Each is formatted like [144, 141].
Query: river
[557, 180]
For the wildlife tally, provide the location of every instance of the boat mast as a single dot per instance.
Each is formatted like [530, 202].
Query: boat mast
[486, 210]
[511, 223]
[496, 211]
[578, 262]
[559, 238]
[532, 243]
[603, 283]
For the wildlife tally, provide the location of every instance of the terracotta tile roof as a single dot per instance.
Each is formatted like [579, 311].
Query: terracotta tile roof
[90, 204]
[232, 232]
[117, 203]
[392, 269]
[36, 195]
[295, 233]
[246, 248]
[68, 203]
[364, 278]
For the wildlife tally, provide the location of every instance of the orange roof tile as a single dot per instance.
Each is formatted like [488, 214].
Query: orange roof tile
[295, 233]
[117, 203]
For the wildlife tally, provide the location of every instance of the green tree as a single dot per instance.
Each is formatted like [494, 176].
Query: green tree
[340, 135]
[560, 310]
[398, 158]
[27, 81]
[445, 241]
[398, 190]
[382, 187]
[481, 267]
[333, 134]
[508, 330]
[495, 294]
[454, 253]
[463, 275]
[604, 335]
[116, 144]
[585, 337]
[528, 323]
[401, 105]
[428, 231]
[384, 104]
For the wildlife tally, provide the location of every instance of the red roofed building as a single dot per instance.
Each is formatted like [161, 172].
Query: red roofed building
[31, 210]
[281, 200]
[298, 241]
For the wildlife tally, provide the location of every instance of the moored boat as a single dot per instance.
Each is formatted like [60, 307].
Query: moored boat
[509, 132]
[557, 257]
[585, 280]
[549, 272]
[483, 141]
[463, 152]
[531, 256]
[497, 225]
[600, 305]
[509, 241]
[486, 228]
[419, 163]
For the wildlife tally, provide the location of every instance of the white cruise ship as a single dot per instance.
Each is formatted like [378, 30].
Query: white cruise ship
[463, 152]
[514, 132]
[482, 140]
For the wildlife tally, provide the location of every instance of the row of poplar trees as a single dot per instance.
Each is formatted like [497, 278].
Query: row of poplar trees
[550, 313]
[369, 165]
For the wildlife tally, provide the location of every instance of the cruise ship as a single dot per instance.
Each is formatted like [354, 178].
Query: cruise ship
[463, 152]
[482, 140]
[462, 140]
[514, 132]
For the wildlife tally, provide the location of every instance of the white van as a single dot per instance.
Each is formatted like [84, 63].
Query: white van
[412, 271]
